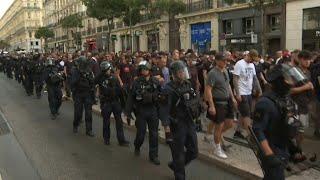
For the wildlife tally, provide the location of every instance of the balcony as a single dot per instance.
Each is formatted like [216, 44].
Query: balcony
[222, 3]
[202, 5]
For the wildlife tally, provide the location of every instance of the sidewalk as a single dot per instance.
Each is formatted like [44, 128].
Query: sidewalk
[241, 160]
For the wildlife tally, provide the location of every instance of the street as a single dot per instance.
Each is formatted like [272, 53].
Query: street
[54, 152]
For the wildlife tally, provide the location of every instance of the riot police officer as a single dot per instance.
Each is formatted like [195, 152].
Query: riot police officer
[37, 74]
[179, 106]
[274, 121]
[54, 81]
[27, 76]
[82, 85]
[111, 98]
[143, 101]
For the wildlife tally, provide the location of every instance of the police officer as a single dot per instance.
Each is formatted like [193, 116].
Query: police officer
[179, 106]
[143, 100]
[37, 74]
[27, 76]
[274, 121]
[111, 98]
[9, 67]
[82, 84]
[54, 81]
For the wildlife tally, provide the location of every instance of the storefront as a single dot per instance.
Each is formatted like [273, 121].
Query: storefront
[201, 37]
[153, 40]
[311, 29]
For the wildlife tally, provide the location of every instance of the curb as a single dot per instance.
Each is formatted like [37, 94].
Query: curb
[202, 156]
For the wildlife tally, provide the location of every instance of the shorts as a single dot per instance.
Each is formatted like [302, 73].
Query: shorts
[245, 106]
[223, 112]
[304, 119]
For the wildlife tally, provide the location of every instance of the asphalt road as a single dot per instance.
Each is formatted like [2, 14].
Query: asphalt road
[56, 153]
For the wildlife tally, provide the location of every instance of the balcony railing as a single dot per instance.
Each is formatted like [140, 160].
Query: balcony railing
[199, 6]
[222, 3]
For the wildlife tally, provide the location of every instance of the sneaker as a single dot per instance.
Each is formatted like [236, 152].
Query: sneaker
[219, 152]
[238, 134]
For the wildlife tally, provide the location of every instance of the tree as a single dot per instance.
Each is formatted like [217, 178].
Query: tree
[105, 10]
[44, 33]
[70, 22]
[169, 8]
[132, 13]
[261, 6]
[4, 45]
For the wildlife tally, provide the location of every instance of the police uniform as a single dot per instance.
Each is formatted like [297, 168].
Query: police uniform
[111, 98]
[37, 76]
[82, 84]
[179, 109]
[179, 106]
[54, 81]
[143, 98]
[274, 121]
[27, 76]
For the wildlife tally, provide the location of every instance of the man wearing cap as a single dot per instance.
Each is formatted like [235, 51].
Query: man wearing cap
[245, 81]
[220, 98]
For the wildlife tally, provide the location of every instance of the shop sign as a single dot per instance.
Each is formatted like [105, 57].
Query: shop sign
[238, 41]
[254, 38]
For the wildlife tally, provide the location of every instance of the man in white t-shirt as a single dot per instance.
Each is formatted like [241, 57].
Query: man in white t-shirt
[245, 82]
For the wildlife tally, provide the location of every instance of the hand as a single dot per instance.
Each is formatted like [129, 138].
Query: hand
[309, 86]
[235, 103]
[238, 98]
[212, 110]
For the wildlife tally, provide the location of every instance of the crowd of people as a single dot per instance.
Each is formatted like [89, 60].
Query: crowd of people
[228, 85]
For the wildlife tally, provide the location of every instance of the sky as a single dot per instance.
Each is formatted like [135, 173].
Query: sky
[5, 4]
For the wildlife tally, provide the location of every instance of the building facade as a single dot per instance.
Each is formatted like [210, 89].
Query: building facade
[19, 24]
[303, 24]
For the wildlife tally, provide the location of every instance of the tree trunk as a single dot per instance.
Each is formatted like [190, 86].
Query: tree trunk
[263, 34]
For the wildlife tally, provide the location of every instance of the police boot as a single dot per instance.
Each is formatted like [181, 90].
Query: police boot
[90, 134]
[124, 143]
[155, 161]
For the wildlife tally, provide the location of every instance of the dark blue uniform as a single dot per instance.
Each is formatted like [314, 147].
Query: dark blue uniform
[37, 76]
[143, 97]
[270, 122]
[82, 85]
[27, 76]
[175, 111]
[111, 98]
[54, 83]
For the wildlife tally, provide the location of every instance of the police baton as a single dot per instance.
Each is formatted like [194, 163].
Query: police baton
[255, 146]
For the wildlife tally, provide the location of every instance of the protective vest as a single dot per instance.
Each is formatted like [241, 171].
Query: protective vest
[147, 92]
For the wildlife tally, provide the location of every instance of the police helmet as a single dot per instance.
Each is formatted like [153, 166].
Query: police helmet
[144, 65]
[179, 66]
[82, 63]
[105, 66]
[290, 74]
[49, 62]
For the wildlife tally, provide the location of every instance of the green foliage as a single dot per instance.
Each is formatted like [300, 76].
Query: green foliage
[172, 7]
[44, 32]
[72, 21]
[131, 13]
[104, 9]
[4, 44]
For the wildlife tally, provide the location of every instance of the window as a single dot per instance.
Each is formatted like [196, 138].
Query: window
[248, 24]
[227, 27]
[29, 15]
[31, 43]
[37, 43]
[274, 22]
[35, 4]
[30, 34]
[311, 18]
[28, 4]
